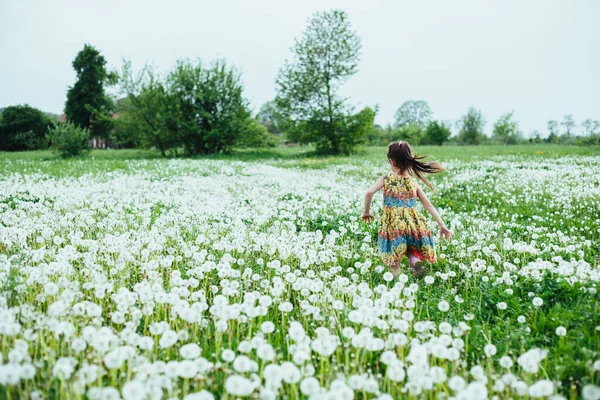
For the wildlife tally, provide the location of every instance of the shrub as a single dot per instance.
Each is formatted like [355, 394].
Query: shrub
[436, 133]
[68, 139]
[256, 135]
[23, 128]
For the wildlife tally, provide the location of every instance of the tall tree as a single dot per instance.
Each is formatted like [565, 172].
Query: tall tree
[506, 129]
[87, 102]
[569, 124]
[308, 88]
[413, 112]
[471, 127]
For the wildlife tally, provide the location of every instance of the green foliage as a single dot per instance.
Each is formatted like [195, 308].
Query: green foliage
[206, 106]
[506, 130]
[200, 109]
[68, 139]
[127, 130]
[411, 133]
[23, 128]
[144, 115]
[308, 88]
[255, 134]
[413, 112]
[591, 140]
[87, 103]
[471, 127]
[436, 133]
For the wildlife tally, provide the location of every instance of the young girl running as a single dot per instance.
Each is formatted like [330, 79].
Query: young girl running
[402, 228]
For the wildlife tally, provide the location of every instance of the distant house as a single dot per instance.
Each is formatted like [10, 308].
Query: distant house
[97, 142]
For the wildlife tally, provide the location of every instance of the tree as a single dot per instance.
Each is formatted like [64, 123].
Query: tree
[209, 111]
[307, 88]
[436, 133]
[552, 131]
[471, 127]
[198, 108]
[591, 127]
[569, 124]
[143, 119]
[23, 128]
[411, 133]
[413, 112]
[506, 129]
[87, 103]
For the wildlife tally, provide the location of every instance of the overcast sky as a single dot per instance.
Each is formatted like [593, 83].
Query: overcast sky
[540, 58]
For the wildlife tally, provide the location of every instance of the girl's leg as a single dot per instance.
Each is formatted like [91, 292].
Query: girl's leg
[412, 259]
[416, 264]
[396, 269]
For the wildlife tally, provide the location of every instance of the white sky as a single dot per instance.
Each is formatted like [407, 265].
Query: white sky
[540, 58]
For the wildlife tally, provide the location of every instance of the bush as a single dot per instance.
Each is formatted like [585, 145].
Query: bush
[256, 135]
[23, 128]
[411, 133]
[436, 133]
[68, 140]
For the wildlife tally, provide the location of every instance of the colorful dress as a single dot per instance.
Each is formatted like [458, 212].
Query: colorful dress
[401, 225]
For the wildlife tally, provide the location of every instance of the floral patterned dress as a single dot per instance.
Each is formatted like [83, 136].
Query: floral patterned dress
[401, 225]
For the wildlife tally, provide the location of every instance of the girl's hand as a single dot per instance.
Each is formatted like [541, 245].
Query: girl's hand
[445, 232]
[367, 218]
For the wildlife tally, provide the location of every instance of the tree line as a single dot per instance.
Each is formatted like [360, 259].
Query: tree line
[200, 108]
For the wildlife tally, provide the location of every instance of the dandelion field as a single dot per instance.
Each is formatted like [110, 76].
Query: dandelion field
[155, 278]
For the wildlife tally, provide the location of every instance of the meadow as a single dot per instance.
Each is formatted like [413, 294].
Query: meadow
[127, 275]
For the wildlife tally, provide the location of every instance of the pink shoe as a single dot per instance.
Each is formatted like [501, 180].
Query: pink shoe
[417, 266]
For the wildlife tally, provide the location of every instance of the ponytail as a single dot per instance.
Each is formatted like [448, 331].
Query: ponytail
[401, 153]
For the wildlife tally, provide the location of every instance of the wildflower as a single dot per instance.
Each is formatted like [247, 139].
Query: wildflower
[443, 306]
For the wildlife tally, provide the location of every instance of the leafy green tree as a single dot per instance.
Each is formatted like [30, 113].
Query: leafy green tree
[413, 112]
[69, 139]
[198, 108]
[209, 112]
[506, 129]
[87, 103]
[471, 127]
[436, 133]
[308, 88]
[23, 128]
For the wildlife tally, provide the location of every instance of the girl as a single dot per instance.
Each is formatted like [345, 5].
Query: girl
[402, 228]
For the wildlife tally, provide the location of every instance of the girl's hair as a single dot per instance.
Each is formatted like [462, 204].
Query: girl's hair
[401, 154]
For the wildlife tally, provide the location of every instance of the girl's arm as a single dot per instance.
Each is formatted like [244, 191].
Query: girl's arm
[431, 209]
[366, 216]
